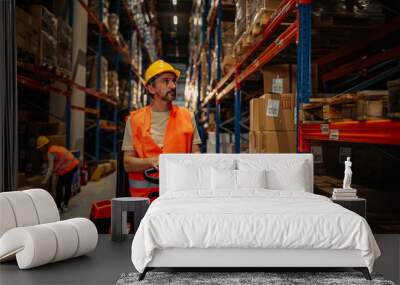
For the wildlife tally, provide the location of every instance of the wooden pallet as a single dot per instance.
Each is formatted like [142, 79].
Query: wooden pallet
[361, 106]
[313, 111]
[364, 105]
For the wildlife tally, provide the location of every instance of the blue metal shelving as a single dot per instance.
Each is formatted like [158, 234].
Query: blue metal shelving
[98, 82]
[133, 74]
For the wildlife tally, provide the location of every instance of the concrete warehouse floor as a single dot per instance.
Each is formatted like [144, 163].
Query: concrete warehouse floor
[80, 204]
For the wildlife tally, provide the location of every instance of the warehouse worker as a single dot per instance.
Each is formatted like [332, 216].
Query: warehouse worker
[161, 127]
[64, 164]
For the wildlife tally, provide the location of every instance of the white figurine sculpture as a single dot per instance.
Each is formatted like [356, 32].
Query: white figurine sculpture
[347, 174]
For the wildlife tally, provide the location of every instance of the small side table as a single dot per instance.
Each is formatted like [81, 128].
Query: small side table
[119, 208]
[357, 205]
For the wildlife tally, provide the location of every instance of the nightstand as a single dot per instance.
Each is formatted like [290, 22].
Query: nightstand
[119, 208]
[357, 205]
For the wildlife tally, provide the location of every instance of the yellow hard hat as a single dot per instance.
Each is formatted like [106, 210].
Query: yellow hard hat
[41, 141]
[158, 67]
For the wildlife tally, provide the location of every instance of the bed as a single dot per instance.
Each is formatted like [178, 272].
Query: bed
[247, 210]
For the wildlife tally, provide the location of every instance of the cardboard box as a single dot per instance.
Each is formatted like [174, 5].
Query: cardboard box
[57, 140]
[23, 26]
[46, 129]
[252, 142]
[91, 73]
[276, 112]
[254, 115]
[272, 142]
[283, 78]
[43, 20]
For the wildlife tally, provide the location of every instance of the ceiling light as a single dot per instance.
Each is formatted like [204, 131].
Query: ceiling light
[175, 20]
[174, 2]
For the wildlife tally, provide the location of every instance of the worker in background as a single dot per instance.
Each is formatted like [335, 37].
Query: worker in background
[64, 164]
[161, 127]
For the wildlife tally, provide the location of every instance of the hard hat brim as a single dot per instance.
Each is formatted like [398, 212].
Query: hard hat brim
[174, 71]
[41, 145]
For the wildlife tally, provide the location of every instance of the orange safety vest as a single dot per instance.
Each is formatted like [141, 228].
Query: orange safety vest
[64, 162]
[177, 139]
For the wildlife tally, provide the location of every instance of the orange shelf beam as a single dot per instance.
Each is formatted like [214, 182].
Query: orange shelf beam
[285, 8]
[371, 132]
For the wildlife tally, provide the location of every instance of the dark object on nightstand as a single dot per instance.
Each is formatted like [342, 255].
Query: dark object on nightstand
[357, 205]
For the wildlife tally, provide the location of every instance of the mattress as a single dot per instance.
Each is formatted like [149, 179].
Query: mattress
[250, 218]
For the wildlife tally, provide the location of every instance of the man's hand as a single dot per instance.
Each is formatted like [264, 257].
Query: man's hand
[154, 161]
[132, 163]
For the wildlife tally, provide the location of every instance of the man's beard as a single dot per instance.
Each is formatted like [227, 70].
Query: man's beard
[169, 96]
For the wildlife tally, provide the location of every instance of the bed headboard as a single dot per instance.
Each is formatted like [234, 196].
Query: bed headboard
[211, 159]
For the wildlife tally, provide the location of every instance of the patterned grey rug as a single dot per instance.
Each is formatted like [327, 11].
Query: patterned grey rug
[242, 278]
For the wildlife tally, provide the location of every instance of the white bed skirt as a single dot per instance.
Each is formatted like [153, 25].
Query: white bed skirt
[178, 257]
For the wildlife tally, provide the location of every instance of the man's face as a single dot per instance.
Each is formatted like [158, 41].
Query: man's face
[164, 87]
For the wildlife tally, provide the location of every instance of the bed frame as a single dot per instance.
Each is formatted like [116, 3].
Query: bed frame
[242, 259]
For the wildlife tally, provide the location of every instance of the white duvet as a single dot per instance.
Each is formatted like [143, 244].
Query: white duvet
[253, 218]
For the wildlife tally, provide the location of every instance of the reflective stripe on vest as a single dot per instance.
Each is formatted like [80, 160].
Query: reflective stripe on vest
[178, 139]
[64, 162]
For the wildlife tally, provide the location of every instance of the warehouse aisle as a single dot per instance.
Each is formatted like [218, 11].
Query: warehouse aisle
[80, 204]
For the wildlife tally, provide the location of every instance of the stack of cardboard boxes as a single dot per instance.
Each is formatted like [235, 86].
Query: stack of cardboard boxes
[44, 32]
[43, 39]
[64, 48]
[272, 116]
[272, 124]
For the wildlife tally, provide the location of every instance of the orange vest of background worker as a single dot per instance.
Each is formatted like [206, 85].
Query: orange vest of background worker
[64, 164]
[158, 128]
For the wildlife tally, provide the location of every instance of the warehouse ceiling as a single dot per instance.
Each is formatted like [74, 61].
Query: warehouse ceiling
[175, 38]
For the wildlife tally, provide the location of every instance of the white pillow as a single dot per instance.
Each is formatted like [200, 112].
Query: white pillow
[281, 174]
[251, 178]
[188, 177]
[189, 173]
[288, 178]
[223, 179]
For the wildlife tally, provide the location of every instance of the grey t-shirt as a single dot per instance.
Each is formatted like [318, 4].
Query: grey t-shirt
[159, 122]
